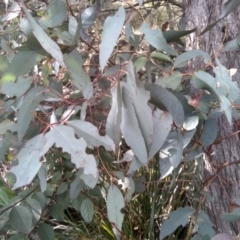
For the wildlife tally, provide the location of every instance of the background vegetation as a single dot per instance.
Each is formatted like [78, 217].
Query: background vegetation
[104, 129]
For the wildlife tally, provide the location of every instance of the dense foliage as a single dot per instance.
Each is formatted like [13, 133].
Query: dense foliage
[104, 127]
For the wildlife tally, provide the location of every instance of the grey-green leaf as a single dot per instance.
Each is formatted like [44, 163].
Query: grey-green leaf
[56, 13]
[232, 216]
[176, 219]
[16, 89]
[111, 30]
[165, 100]
[28, 160]
[156, 39]
[74, 64]
[87, 210]
[21, 64]
[115, 202]
[20, 219]
[115, 115]
[45, 232]
[46, 42]
[27, 110]
[182, 59]
[229, 7]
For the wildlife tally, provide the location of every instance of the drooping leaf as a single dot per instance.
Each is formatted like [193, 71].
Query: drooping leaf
[91, 135]
[156, 39]
[176, 219]
[46, 42]
[20, 219]
[21, 64]
[76, 185]
[140, 2]
[166, 101]
[45, 232]
[28, 160]
[162, 123]
[131, 128]
[56, 13]
[182, 59]
[140, 98]
[114, 117]
[226, 107]
[209, 27]
[63, 136]
[74, 64]
[173, 148]
[27, 110]
[115, 202]
[12, 12]
[16, 89]
[210, 131]
[111, 30]
[36, 209]
[87, 210]
[43, 179]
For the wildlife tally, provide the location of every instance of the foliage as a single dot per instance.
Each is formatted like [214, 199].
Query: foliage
[101, 128]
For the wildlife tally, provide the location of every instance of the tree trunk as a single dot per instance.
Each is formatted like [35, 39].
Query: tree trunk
[224, 189]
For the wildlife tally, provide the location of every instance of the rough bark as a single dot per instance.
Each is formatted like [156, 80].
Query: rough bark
[225, 188]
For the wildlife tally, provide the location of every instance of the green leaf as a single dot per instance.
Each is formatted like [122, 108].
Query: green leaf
[16, 89]
[76, 185]
[173, 148]
[90, 134]
[21, 64]
[3, 66]
[210, 131]
[19, 236]
[64, 137]
[113, 129]
[3, 197]
[46, 42]
[165, 100]
[209, 27]
[182, 59]
[35, 207]
[56, 212]
[56, 14]
[203, 80]
[28, 160]
[20, 219]
[45, 232]
[229, 7]
[173, 35]
[226, 107]
[160, 56]
[162, 123]
[115, 202]
[176, 219]
[172, 80]
[7, 125]
[156, 39]
[232, 216]
[42, 178]
[89, 180]
[111, 30]
[140, 63]
[87, 210]
[233, 45]
[27, 110]
[62, 188]
[74, 64]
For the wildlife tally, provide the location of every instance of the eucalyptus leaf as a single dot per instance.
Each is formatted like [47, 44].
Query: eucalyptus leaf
[45, 232]
[21, 219]
[111, 30]
[87, 210]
